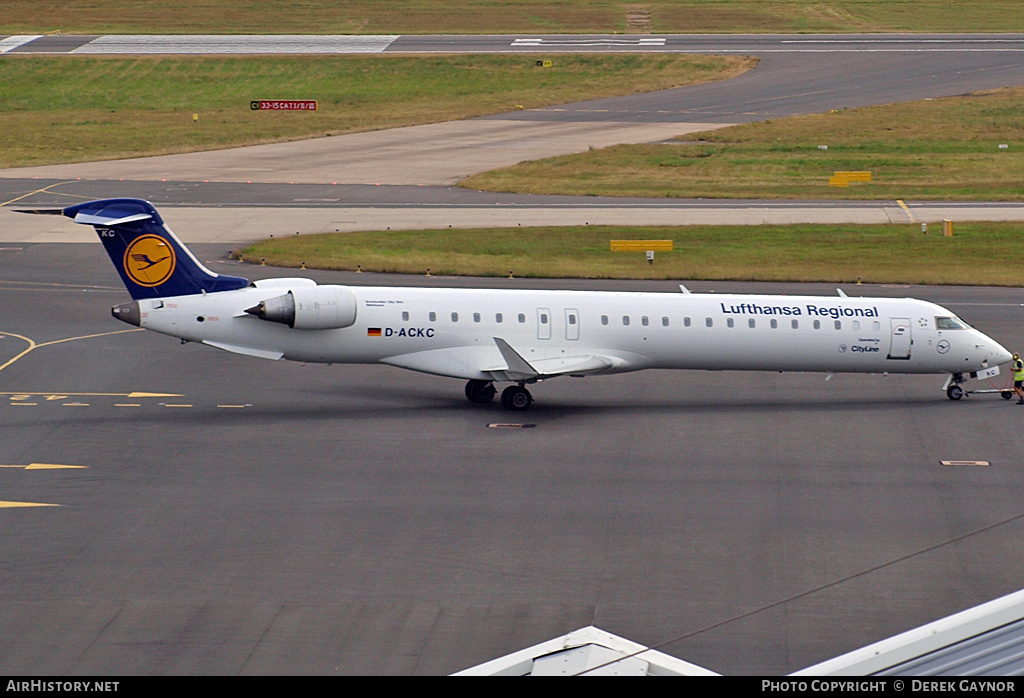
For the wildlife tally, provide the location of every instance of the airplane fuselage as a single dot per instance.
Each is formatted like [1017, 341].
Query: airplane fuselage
[520, 336]
[452, 332]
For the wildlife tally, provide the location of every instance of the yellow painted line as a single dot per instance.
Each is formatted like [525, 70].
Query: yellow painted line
[234, 407]
[46, 466]
[177, 405]
[127, 404]
[37, 191]
[60, 396]
[24, 404]
[965, 462]
[12, 505]
[32, 345]
[75, 404]
[906, 210]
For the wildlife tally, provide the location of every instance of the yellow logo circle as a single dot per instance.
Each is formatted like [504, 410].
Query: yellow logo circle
[149, 260]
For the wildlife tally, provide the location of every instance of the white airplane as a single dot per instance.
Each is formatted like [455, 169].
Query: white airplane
[522, 337]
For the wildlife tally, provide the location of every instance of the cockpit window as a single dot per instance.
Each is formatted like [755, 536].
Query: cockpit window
[950, 323]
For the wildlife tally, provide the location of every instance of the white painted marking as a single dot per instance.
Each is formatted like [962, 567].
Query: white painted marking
[235, 44]
[13, 42]
[653, 41]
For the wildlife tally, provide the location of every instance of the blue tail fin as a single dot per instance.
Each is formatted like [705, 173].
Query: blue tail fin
[152, 261]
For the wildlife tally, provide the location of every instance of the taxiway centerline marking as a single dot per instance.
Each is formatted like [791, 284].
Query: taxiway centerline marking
[10, 505]
[45, 466]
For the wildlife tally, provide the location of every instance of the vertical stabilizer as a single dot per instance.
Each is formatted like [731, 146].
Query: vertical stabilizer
[152, 261]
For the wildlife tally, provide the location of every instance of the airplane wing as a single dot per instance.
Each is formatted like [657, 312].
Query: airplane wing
[505, 364]
[517, 368]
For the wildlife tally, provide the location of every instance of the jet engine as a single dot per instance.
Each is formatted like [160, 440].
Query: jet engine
[310, 308]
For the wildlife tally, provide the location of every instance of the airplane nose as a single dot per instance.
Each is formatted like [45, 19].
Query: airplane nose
[998, 354]
[1002, 356]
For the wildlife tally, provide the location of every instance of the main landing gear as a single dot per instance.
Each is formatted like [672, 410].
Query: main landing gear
[480, 392]
[515, 398]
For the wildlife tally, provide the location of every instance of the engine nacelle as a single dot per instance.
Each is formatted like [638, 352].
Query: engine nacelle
[310, 308]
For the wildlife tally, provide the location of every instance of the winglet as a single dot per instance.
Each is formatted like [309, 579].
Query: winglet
[518, 367]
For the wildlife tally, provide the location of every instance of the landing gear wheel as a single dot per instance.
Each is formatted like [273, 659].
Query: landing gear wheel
[516, 398]
[480, 392]
[954, 392]
[1006, 394]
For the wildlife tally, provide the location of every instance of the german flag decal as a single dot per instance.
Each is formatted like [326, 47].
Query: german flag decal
[373, 332]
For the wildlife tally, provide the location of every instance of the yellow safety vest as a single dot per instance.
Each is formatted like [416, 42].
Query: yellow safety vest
[1018, 370]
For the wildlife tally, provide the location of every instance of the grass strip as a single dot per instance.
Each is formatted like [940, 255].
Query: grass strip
[940, 149]
[74, 109]
[506, 16]
[977, 254]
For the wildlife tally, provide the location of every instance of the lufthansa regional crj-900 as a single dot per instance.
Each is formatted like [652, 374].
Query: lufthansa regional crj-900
[522, 336]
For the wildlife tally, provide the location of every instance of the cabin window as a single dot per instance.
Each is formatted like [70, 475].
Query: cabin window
[817, 324]
[839, 324]
[796, 324]
[497, 318]
[856, 325]
[708, 321]
[433, 316]
[686, 322]
[729, 322]
[405, 315]
[476, 317]
[876, 325]
[775, 324]
[543, 318]
[455, 317]
[572, 319]
[625, 320]
[604, 319]
[644, 321]
[521, 318]
[664, 322]
[751, 323]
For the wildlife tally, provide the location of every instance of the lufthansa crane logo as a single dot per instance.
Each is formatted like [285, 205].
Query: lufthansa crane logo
[149, 260]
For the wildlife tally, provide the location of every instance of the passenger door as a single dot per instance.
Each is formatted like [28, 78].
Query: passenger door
[900, 338]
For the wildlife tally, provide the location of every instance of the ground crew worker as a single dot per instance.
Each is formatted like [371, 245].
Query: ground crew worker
[1018, 378]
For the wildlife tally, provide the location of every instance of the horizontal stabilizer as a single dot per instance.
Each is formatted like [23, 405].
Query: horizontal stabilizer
[41, 211]
[110, 218]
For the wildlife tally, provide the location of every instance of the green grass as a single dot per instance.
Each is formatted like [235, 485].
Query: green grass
[506, 16]
[977, 254]
[72, 109]
[942, 149]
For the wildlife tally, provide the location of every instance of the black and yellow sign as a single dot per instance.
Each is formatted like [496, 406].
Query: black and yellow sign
[149, 260]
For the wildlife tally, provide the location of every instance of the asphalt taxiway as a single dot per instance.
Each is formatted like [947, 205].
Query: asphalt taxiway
[229, 515]
[236, 516]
